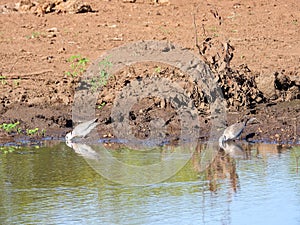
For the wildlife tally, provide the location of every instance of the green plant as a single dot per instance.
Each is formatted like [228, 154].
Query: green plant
[3, 80]
[104, 66]
[8, 127]
[34, 34]
[43, 133]
[101, 79]
[164, 30]
[32, 131]
[233, 16]
[16, 82]
[7, 149]
[101, 105]
[157, 69]
[78, 65]
[214, 31]
[295, 22]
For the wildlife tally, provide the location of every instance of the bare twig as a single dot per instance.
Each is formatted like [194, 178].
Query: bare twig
[203, 28]
[20, 75]
[216, 15]
[12, 67]
[196, 34]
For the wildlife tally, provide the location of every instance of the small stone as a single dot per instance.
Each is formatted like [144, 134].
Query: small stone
[259, 99]
[265, 83]
[49, 58]
[129, 1]
[61, 50]
[112, 26]
[53, 29]
[162, 2]
[51, 35]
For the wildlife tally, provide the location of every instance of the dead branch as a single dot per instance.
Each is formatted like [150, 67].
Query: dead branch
[23, 76]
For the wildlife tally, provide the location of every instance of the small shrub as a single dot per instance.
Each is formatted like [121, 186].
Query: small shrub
[78, 65]
[9, 127]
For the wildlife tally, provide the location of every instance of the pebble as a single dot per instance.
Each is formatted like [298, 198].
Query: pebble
[61, 50]
[53, 29]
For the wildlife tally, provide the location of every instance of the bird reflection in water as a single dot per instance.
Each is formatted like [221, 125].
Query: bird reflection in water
[233, 149]
[82, 149]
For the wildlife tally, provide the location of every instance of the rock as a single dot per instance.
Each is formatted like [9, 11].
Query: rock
[52, 29]
[265, 83]
[7, 8]
[286, 85]
[295, 79]
[24, 5]
[61, 50]
[48, 6]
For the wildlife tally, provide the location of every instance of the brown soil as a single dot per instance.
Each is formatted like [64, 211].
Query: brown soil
[260, 74]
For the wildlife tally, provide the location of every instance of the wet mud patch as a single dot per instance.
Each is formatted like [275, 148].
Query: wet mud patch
[51, 122]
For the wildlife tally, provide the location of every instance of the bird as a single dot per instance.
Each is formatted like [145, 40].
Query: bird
[82, 129]
[235, 130]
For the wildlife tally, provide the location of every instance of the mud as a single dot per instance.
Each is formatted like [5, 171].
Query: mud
[252, 48]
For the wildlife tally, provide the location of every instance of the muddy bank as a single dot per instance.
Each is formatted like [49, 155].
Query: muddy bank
[278, 122]
[275, 103]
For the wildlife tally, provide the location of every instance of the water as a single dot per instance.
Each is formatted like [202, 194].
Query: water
[53, 184]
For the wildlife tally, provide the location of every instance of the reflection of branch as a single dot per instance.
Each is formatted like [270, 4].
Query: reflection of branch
[297, 164]
[234, 178]
[296, 127]
[222, 166]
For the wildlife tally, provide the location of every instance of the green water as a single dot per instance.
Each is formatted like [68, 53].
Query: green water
[54, 184]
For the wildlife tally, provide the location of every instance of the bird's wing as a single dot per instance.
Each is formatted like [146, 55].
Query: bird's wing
[82, 127]
[93, 124]
[235, 130]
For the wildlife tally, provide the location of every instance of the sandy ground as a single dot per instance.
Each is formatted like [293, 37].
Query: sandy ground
[36, 45]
